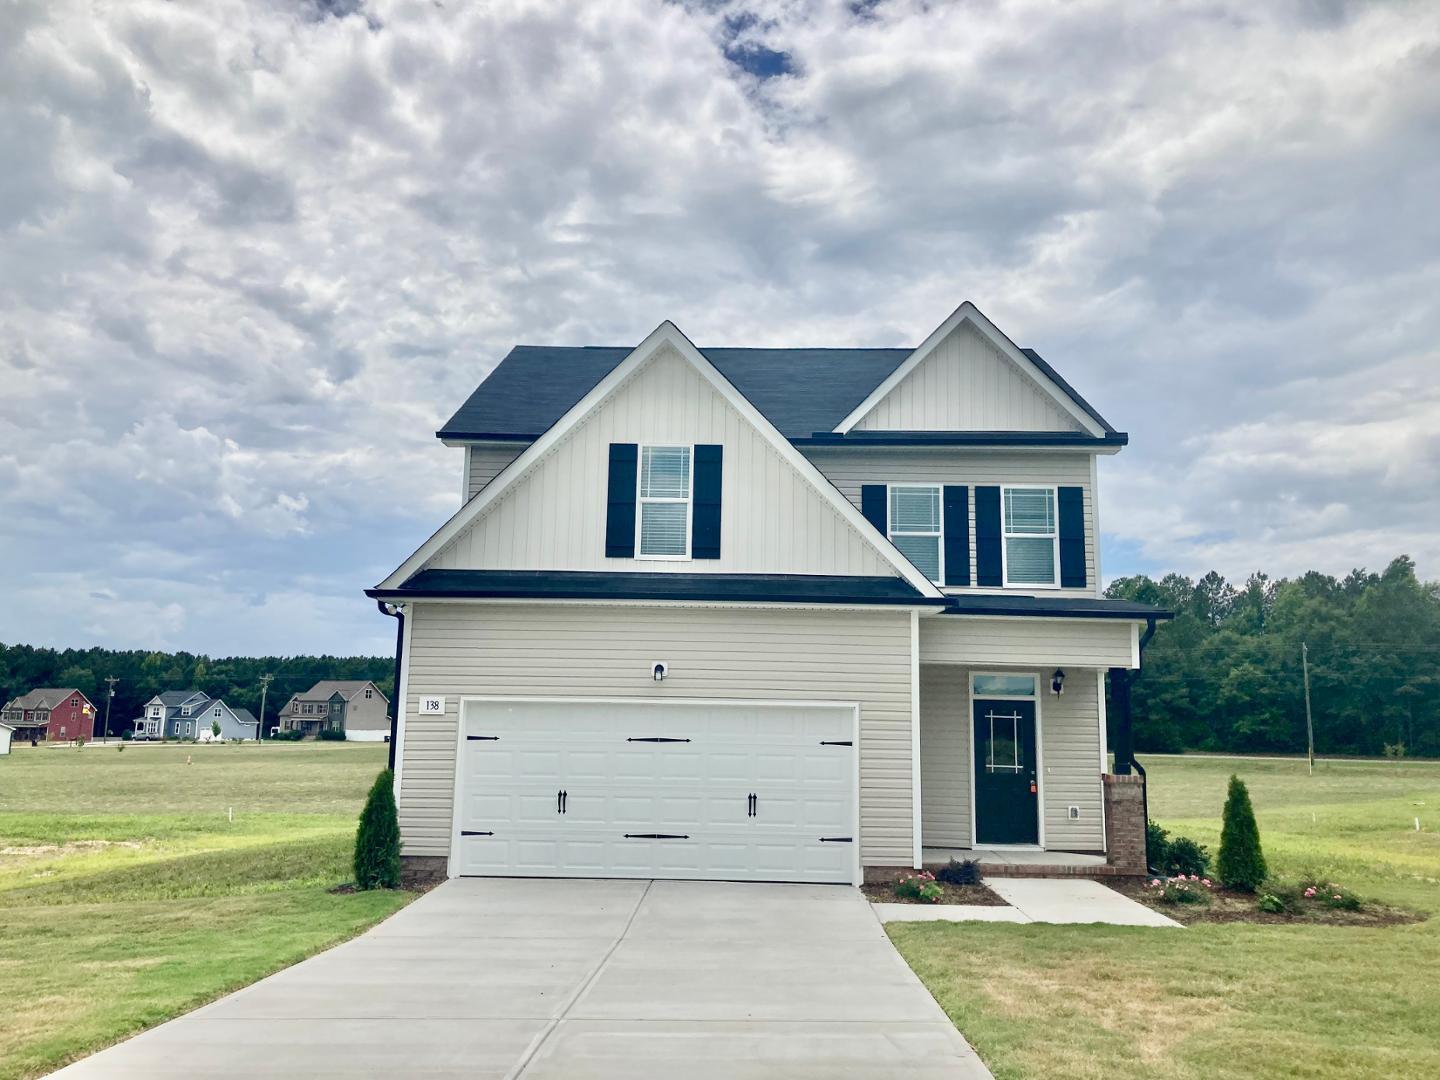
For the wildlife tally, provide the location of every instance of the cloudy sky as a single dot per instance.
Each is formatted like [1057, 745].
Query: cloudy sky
[252, 254]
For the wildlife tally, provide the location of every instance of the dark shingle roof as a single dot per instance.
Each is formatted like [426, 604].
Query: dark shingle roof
[800, 391]
[626, 585]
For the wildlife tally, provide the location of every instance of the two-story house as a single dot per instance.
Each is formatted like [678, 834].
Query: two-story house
[354, 706]
[192, 714]
[50, 714]
[766, 614]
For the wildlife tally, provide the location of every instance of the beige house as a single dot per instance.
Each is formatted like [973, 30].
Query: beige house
[354, 706]
[766, 614]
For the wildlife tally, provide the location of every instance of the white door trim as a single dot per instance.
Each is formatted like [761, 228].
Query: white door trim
[1039, 758]
[451, 868]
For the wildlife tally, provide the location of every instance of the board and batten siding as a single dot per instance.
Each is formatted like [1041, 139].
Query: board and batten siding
[774, 521]
[484, 464]
[961, 639]
[966, 384]
[540, 650]
[1069, 745]
[849, 469]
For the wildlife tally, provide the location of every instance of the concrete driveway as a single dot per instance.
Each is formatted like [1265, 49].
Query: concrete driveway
[505, 977]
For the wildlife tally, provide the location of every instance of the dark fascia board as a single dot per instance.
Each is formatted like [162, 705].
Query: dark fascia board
[963, 438]
[709, 588]
[487, 436]
[1057, 607]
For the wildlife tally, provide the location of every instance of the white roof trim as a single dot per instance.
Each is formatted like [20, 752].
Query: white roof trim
[665, 333]
[968, 312]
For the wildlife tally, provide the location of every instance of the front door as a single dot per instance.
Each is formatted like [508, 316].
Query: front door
[1006, 799]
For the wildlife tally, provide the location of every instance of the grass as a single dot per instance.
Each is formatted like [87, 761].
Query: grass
[141, 883]
[1234, 999]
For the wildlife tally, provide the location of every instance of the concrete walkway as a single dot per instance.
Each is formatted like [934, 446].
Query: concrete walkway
[579, 979]
[1037, 900]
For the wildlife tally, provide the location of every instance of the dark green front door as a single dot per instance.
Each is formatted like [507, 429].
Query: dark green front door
[1006, 803]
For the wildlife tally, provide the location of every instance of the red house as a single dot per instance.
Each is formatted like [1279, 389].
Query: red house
[61, 715]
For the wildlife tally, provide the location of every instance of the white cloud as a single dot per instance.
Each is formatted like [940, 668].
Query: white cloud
[257, 251]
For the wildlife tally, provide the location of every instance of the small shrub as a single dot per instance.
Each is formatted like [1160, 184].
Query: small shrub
[1241, 863]
[215, 728]
[1157, 845]
[1186, 857]
[331, 735]
[1332, 895]
[293, 735]
[79, 741]
[1180, 889]
[377, 841]
[960, 872]
[126, 735]
[1275, 905]
[920, 887]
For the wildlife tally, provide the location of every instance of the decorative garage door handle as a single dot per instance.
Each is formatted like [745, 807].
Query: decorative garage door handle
[467, 832]
[656, 836]
[655, 738]
[837, 839]
[561, 798]
[836, 742]
[752, 804]
[482, 738]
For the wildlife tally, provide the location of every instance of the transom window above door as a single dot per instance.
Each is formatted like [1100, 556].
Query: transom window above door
[915, 526]
[1032, 539]
[664, 502]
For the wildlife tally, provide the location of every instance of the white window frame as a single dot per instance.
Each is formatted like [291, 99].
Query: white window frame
[368, 693]
[1006, 536]
[939, 534]
[217, 711]
[641, 500]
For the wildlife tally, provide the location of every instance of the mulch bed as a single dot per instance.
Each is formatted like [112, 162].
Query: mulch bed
[978, 895]
[1234, 907]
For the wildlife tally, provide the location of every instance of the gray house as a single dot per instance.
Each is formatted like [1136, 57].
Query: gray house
[354, 706]
[192, 714]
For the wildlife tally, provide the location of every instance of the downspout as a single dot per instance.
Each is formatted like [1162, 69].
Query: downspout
[398, 614]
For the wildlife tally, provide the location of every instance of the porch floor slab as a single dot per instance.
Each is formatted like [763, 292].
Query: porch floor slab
[1026, 862]
[1074, 900]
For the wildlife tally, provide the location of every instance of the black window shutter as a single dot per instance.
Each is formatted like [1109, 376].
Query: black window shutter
[957, 534]
[620, 502]
[705, 511]
[873, 501]
[987, 536]
[1072, 537]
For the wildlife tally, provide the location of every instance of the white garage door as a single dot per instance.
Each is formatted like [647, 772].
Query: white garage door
[671, 790]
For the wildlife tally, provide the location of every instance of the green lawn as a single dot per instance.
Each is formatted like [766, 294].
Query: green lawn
[1224, 1000]
[140, 883]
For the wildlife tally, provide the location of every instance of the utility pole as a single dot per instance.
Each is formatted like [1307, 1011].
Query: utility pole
[110, 681]
[264, 689]
[1309, 723]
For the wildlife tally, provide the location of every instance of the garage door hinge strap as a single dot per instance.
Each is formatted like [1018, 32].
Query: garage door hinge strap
[482, 738]
[827, 742]
[837, 839]
[656, 836]
[655, 738]
[467, 832]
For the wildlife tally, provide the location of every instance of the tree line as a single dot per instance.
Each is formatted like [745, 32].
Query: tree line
[1227, 673]
[142, 675]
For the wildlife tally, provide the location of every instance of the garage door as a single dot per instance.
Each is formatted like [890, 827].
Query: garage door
[671, 790]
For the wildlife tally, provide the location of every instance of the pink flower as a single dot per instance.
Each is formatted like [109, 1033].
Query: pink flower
[1337, 896]
[1310, 892]
[1155, 883]
[1205, 882]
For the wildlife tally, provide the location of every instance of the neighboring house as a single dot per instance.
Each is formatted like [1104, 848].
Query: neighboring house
[54, 715]
[354, 706]
[192, 714]
[767, 614]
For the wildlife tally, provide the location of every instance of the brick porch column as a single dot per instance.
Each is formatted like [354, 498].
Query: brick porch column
[1125, 822]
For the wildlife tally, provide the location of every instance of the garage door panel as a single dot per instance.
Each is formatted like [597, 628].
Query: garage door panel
[694, 791]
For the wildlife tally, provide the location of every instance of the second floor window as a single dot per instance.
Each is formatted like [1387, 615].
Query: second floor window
[664, 502]
[1032, 541]
[915, 526]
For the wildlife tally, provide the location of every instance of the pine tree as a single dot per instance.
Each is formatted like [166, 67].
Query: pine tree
[1241, 863]
[377, 841]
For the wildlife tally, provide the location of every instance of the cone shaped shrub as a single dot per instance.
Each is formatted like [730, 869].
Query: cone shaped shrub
[377, 841]
[1241, 863]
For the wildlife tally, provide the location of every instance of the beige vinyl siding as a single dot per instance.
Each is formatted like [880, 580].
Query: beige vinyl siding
[966, 384]
[1075, 642]
[485, 462]
[540, 650]
[849, 469]
[1069, 746]
[774, 521]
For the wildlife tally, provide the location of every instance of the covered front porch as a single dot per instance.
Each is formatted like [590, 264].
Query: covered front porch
[1014, 755]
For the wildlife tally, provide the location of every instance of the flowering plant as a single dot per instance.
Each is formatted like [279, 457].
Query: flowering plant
[1181, 889]
[1331, 894]
[920, 887]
